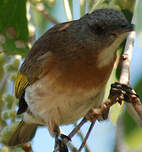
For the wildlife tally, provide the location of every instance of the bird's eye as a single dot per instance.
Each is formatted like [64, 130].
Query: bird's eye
[113, 35]
[124, 25]
[99, 29]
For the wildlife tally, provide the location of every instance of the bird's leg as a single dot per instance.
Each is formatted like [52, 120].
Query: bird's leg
[118, 93]
[60, 142]
[100, 113]
[75, 130]
[97, 114]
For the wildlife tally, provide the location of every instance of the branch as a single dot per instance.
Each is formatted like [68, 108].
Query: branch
[136, 108]
[40, 8]
[86, 137]
[82, 139]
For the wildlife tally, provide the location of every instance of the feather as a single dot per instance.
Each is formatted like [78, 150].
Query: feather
[23, 133]
[20, 85]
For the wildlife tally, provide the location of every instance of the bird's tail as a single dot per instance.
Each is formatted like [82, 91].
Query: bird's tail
[23, 133]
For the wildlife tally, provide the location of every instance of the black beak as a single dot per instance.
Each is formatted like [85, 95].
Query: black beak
[124, 29]
[127, 28]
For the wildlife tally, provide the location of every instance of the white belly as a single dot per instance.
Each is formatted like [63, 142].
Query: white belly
[51, 104]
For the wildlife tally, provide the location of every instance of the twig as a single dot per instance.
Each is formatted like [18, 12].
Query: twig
[82, 138]
[136, 109]
[86, 137]
[40, 7]
[75, 130]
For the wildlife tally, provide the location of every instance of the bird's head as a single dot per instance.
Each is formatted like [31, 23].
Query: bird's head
[108, 21]
[107, 28]
[107, 25]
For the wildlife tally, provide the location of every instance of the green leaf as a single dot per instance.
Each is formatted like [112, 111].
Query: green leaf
[13, 27]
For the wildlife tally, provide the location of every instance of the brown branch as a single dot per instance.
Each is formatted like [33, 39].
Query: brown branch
[75, 130]
[82, 139]
[86, 137]
[40, 8]
[135, 108]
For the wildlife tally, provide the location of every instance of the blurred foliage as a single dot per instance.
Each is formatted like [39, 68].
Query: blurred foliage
[13, 27]
[23, 21]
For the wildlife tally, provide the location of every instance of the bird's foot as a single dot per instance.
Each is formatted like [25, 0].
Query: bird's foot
[60, 143]
[125, 92]
[118, 93]
[97, 114]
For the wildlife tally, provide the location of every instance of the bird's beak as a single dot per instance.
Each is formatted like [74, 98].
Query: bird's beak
[127, 28]
[124, 29]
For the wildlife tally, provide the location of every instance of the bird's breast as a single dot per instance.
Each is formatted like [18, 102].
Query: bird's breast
[52, 103]
[67, 90]
[80, 71]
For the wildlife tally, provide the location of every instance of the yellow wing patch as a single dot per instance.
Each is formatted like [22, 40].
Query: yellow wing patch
[20, 84]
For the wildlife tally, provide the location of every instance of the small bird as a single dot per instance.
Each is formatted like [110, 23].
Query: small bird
[66, 71]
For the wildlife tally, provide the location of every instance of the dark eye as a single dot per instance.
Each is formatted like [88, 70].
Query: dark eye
[124, 25]
[113, 35]
[99, 30]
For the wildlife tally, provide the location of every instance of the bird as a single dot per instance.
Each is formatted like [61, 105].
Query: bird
[66, 72]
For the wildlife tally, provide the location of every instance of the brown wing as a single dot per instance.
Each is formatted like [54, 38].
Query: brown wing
[35, 62]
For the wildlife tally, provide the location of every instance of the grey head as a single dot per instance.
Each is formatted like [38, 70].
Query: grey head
[108, 21]
[106, 26]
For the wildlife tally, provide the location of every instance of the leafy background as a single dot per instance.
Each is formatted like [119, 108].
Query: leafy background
[24, 21]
